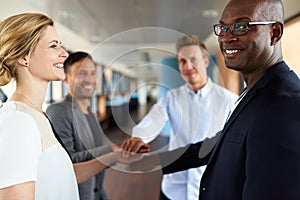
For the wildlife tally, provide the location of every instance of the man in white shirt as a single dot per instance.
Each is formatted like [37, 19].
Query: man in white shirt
[196, 110]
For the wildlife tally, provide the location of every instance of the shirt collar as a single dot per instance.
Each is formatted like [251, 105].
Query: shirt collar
[71, 99]
[202, 92]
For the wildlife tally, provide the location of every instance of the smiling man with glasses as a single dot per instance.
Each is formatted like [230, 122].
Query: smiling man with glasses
[257, 154]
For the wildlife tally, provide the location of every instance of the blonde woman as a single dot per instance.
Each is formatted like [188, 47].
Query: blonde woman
[33, 163]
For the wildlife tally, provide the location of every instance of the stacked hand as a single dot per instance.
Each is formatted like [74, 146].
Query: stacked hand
[131, 150]
[135, 145]
[146, 163]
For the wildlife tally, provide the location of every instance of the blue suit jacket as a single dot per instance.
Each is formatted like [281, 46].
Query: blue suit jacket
[257, 154]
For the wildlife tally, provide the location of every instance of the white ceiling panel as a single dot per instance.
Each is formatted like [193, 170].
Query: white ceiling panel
[118, 24]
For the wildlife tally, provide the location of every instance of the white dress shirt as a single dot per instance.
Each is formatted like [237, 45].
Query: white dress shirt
[30, 152]
[193, 117]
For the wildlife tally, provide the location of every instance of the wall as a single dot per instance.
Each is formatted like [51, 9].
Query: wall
[291, 44]
[228, 78]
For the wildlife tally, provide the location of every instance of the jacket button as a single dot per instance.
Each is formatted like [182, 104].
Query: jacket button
[95, 189]
[203, 189]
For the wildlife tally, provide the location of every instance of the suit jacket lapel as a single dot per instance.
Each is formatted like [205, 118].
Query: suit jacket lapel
[81, 125]
[274, 71]
[247, 98]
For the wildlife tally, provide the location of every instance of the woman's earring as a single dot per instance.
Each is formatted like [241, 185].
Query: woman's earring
[26, 64]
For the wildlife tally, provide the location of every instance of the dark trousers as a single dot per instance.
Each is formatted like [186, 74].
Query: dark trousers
[163, 196]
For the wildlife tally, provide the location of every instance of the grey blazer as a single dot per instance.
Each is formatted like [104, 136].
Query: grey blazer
[81, 143]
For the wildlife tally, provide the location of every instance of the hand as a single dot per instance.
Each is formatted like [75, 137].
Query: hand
[135, 145]
[127, 157]
[147, 163]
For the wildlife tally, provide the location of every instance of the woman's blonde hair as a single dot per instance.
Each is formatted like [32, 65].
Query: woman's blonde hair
[19, 35]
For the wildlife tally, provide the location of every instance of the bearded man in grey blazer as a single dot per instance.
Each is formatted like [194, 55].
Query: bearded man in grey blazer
[75, 124]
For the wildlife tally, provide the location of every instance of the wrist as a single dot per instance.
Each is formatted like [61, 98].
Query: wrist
[108, 159]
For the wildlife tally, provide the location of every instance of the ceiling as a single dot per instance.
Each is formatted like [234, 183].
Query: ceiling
[130, 33]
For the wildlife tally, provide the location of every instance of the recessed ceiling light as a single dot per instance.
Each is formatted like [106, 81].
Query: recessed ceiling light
[95, 39]
[210, 13]
[65, 14]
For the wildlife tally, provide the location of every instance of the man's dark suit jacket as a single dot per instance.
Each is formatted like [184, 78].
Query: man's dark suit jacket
[257, 156]
[82, 144]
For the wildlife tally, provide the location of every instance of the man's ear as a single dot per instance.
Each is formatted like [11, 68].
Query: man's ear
[277, 31]
[206, 61]
[24, 61]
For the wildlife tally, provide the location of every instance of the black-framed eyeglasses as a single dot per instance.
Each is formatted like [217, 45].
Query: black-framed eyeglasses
[239, 28]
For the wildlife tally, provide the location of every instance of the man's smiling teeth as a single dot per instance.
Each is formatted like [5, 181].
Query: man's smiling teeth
[88, 86]
[59, 65]
[231, 51]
